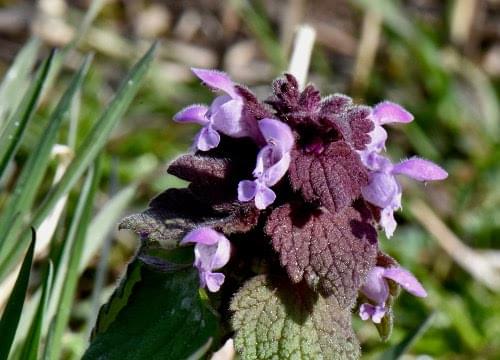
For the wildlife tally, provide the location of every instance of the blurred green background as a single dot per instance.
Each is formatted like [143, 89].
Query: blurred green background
[439, 59]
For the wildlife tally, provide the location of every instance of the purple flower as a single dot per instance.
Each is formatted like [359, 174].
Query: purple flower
[383, 113]
[376, 290]
[224, 114]
[211, 252]
[273, 161]
[383, 189]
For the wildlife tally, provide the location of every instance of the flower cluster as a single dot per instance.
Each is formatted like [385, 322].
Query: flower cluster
[307, 174]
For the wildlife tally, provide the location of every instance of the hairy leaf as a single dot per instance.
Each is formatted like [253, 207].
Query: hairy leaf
[207, 170]
[274, 319]
[163, 318]
[332, 252]
[175, 212]
[333, 178]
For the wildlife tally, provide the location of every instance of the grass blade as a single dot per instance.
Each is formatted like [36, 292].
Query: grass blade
[75, 241]
[92, 144]
[16, 77]
[32, 174]
[12, 313]
[32, 343]
[12, 134]
[399, 350]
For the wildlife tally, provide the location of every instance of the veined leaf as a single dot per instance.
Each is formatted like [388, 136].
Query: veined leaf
[164, 316]
[12, 134]
[12, 312]
[275, 319]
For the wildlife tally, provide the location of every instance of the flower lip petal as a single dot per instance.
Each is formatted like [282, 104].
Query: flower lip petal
[373, 312]
[207, 138]
[192, 114]
[246, 190]
[420, 169]
[389, 112]
[264, 197]
[406, 279]
[274, 174]
[277, 133]
[213, 281]
[217, 80]
[203, 235]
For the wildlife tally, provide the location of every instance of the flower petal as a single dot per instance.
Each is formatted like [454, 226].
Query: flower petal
[389, 112]
[420, 169]
[274, 174]
[387, 221]
[222, 254]
[213, 281]
[216, 80]
[207, 139]
[264, 197]
[375, 287]
[246, 190]
[192, 114]
[277, 133]
[383, 190]
[406, 279]
[227, 118]
[373, 312]
[378, 138]
[203, 235]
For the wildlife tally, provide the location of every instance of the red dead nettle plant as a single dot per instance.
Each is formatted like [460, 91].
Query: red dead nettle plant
[284, 201]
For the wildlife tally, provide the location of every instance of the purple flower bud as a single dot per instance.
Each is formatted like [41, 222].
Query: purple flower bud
[376, 289]
[212, 251]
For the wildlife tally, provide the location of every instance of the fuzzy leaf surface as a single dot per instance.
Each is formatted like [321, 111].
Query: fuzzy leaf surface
[331, 252]
[274, 319]
[333, 178]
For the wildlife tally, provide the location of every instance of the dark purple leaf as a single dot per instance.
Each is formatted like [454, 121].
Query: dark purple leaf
[331, 252]
[332, 178]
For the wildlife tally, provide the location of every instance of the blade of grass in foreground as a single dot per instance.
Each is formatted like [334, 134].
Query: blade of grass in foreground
[16, 77]
[75, 240]
[32, 173]
[87, 152]
[400, 349]
[32, 343]
[12, 312]
[12, 134]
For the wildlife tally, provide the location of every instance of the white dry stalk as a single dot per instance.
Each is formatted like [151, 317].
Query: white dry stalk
[482, 266]
[226, 352]
[301, 56]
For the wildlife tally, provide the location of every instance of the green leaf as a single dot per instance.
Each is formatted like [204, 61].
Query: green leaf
[16, 77]
[14, 307]
[274, 319]
[163, 319]
[86, 153]
[118, 300]
[32, 173]
[400, 349]
[75, 240]
[32, 343]
[12, 134]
